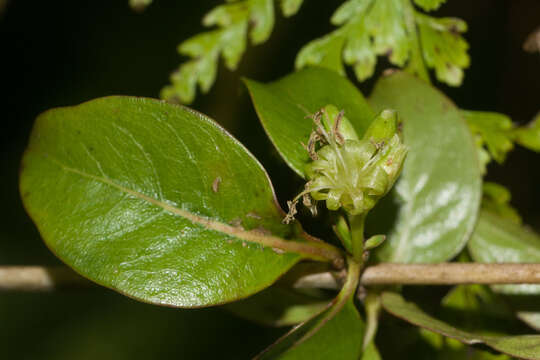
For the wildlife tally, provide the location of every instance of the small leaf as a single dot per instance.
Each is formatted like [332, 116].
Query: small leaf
[279, 306]
[229, 40]
[282, 107]
[340, 337]
[494, 130]
[429, 5]
[499, 240]
[497, 201]
[262, 20]
[290, 7]
[374, 241]
[432, 210]
[157, 202]
[529, 136]
[522, 346]
[324, 52]
[443, 47]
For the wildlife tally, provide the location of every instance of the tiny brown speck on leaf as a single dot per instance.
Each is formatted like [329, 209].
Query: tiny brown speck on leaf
[215, 184]
[236, 222]
[278, 251]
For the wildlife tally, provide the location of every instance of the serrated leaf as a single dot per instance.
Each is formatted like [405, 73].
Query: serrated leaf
[499, 240]
[429, 5]
[235, 37]
[282, 107]
[529, 136]
[262, 19]
[227, 14]
[494, 129]
[340, 337]
[279, 306]
[348, 9]
[325, 52]
[431, 212]
[290, 7]
[443, 48]
[522, 346]
[157, 202]
[386, 24]
[228, 40]
[358, 51]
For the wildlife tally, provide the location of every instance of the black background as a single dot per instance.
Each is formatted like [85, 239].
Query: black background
[57, 53]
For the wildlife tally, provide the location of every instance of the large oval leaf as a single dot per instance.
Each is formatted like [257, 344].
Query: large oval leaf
[432, 210]
[157, 202]
[499, 240]
[522, 346]
[282, 107]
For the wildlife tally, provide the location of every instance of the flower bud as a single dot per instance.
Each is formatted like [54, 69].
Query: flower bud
[348, 172]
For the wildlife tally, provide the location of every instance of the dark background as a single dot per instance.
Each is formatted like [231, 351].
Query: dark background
[57, 53]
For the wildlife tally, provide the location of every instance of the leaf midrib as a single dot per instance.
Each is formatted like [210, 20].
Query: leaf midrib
[314, 251]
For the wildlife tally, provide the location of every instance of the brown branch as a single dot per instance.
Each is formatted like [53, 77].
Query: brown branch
[38, 278]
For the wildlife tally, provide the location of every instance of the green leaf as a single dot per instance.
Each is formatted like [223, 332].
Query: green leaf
[529, 136]
[429, 5]
[371, 353]
[278, 306]
[157, 202]
[522, 346]
[432, 210]
[228, 40]
[324, 52]
[496, 200]
[290, 7]
[336, 333]
[500, 240]
[262, 19]
[339, 337]
[368, 28]
[450, 349]
[443, 48]
[282, 107]
[494, 130]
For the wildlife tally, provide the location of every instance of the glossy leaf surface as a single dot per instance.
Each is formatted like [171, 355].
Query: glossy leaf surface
[338, 338]
[282, 107]
[436, 199]
[498, 240]
[155, 201]
[522, 346]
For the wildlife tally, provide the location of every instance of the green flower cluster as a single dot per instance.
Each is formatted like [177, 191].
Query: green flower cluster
[347, 171]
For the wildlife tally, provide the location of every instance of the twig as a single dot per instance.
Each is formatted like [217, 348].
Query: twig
[38, 278]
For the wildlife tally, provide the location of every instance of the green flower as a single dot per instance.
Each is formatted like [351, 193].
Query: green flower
[348, 172]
